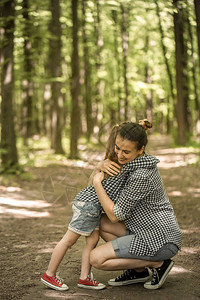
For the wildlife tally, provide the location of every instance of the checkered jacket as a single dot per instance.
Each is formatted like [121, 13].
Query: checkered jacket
[145, 208]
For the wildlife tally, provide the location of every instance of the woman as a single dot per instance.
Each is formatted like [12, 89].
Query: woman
[140, 228]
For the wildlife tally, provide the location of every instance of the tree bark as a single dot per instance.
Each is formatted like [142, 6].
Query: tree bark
[118, 63]
[87, 75]
[9, 154]
[56, 73]
[27, 83]
[99, 85]
[125, 55]
[149, 100]
[193, 68]
[169, 73]
[75, 87]
[181, 74]
[197, 12]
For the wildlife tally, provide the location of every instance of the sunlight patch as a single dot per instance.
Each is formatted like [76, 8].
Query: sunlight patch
[176, 193]
[23, 213]
[59, 295]
[178, 269]
[190, 250]
[24, 203]
[192, 230]
[48, 250]
[10, 188]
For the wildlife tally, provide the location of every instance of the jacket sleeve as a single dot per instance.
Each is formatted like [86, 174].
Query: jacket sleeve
[136, 189]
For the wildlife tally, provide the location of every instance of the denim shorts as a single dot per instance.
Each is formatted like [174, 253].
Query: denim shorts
[86, 217]
[121, 247]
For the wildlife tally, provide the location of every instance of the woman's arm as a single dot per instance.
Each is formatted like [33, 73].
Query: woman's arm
[106, 202]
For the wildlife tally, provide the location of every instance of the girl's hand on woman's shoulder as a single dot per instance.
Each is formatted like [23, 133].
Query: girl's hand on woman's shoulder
[110, 167]
[98, 177]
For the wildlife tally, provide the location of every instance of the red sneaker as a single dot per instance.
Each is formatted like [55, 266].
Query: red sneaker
[90, 283]
[54, 282]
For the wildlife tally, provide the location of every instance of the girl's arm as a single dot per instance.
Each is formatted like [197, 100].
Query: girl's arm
[108, 166]
[106, 202]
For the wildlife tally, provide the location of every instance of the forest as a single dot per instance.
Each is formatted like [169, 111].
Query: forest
[72, 69]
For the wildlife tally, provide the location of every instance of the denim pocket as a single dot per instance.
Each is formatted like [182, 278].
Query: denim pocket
[93, 210]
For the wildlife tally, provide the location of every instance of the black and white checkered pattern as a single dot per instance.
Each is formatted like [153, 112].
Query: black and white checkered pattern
[145, 208]
[141, 202]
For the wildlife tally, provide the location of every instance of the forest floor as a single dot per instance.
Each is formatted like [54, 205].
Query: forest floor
[34, 214]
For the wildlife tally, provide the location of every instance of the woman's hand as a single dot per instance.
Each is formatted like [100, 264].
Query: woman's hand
[110, 167]
[98, 178]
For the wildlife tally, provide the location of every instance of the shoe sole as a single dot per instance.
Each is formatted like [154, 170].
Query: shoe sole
[127, 282]
[53, 286]
[157, 286]
[90, 287]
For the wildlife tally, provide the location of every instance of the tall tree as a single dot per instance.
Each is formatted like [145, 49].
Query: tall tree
[168, 69]
[75, 84]
[197, 12]
[117, 58]
[87, 74]
[99, 84]
[27, 82]
[124, 31]
[193, 67]
[9, 154]
[181, 73]
[56, 73]
[149, 100]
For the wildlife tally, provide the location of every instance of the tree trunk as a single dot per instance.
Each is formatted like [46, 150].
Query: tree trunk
[27, 84]
[125, 55]
[9, 155]
[197, 12]
[181, 73]
[56, 73]
[169, 73]
[118, 63]
[75, 87]
[99, 85]
[87, 75]
[149, 101]
[194, 79]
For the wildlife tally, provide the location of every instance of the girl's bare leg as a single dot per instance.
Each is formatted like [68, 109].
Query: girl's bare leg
[91, 242]
[59, 251]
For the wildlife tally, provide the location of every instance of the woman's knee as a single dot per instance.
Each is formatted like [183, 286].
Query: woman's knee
[101, 255]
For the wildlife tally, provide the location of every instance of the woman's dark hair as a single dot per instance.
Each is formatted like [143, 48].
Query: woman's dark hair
[135, 132]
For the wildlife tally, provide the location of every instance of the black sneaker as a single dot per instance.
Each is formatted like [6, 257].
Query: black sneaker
[129, 277]
[159, 275]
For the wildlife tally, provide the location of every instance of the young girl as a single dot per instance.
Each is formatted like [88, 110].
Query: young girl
[85, 221]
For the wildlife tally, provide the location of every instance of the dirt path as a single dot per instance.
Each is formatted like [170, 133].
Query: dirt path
[33, 215]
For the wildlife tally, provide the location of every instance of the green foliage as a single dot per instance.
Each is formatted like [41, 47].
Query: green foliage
[106, 67]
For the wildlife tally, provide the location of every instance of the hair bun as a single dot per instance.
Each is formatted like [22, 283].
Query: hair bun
[145, 124]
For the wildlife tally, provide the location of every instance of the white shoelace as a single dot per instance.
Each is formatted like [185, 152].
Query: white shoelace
[59, 279]
[155, 275]
[92, 278]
